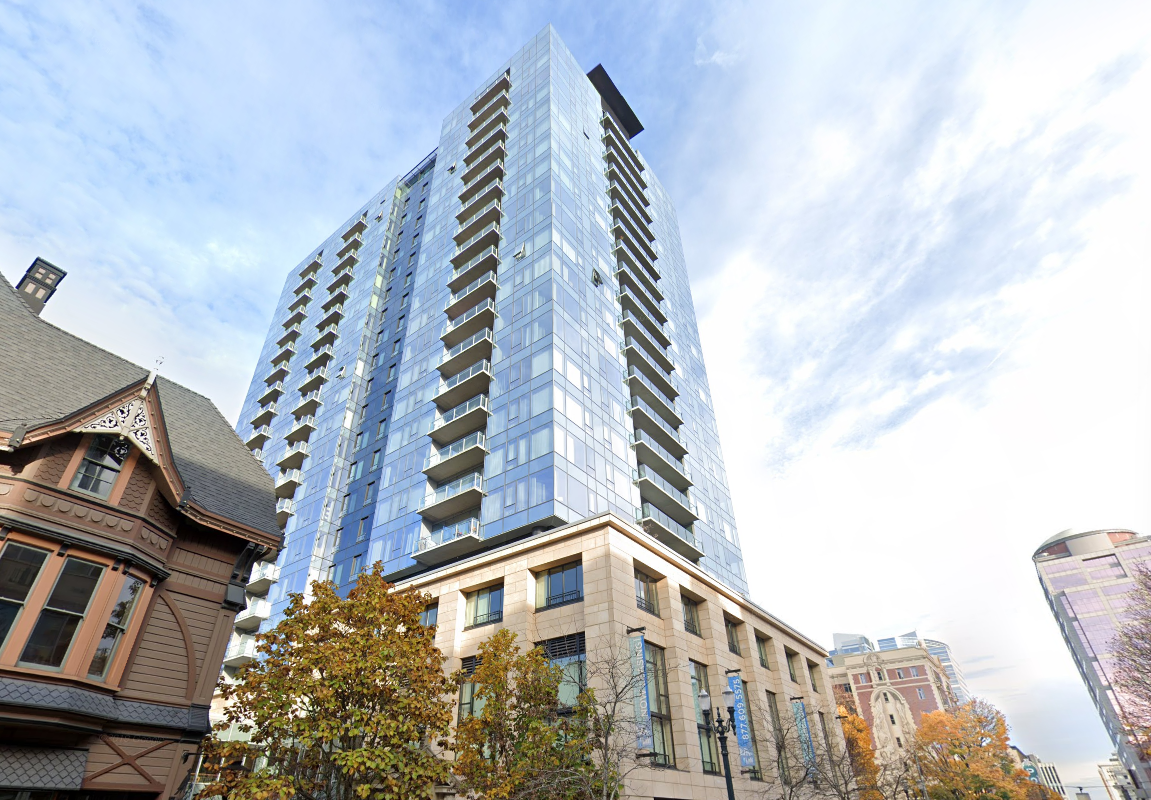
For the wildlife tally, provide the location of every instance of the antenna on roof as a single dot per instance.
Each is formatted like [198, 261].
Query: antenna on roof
[151, 377]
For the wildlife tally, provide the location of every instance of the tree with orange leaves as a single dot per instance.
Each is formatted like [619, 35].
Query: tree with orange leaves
[857, 738]
[963, 754]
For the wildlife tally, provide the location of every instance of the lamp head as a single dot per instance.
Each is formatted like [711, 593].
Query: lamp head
[704, 701]
[729, 697]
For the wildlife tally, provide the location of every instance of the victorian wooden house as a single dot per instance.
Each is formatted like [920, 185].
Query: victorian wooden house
[130, 516]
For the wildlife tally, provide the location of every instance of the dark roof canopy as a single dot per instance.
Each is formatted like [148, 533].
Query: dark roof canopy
[47, 374]
[615, 101]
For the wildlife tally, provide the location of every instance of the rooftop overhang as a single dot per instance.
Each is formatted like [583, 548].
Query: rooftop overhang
[615, 101]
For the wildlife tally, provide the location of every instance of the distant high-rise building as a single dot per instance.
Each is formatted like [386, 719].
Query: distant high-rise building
[1086, 578]
[941, 651]
[848, 643]
[1116, 780]
[498, 343]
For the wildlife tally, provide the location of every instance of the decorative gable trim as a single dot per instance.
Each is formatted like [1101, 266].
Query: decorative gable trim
[132, 422]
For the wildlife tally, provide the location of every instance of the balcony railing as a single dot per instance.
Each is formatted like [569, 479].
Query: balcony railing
[241, 651]
[479, 401]
[480, 133]
[480, 181]
[451, 358]
[472, 480]
[489, 618]
[684, 542]
[449, 532]
[643, 604]
[491, 227]
[456, 380]
[476, 439]
[657, 393]
[472, 263]
[657, 418]
[494, 204]
[473, 207]
[647, 474]
[639, 437]
[477, 152]
[257, 611]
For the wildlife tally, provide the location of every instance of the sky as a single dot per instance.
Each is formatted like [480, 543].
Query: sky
[917, 237]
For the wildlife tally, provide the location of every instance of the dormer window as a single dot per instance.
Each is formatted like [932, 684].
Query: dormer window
[101, 465]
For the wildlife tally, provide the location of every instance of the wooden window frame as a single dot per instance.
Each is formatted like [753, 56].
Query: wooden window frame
[91, 629]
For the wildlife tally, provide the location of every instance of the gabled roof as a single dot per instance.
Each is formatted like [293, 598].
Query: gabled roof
[48, 375]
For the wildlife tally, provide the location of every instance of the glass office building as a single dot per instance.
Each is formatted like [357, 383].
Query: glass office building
[1088, 580]
[500, 342]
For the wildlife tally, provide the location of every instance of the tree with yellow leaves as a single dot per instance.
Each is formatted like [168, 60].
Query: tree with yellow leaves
[963, 755]
[347, 701]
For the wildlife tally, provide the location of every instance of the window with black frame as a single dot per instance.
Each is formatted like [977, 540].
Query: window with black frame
[469, 705]
[101, 465]
[19, 567]
[691, 616]
[707, 746]
[761, 649]
[646, 594]
[559, 586]
[569, 653]
[484, 606]
[429, 615]
[659, 701]
[732, 636]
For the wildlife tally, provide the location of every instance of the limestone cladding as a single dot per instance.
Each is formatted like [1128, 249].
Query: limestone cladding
[611, 550]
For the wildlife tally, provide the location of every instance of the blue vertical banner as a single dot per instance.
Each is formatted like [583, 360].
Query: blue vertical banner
[801, 725]
[644, 740]
[742, 723]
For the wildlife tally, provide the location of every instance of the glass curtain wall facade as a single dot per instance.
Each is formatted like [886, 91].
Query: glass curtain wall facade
[1087, 579]
[516, 348]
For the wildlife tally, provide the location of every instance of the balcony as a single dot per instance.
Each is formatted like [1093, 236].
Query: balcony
[473, 206]
[309, 404]
[271, 393]
[338, 297]
[497, 104]
[474, 320]
[312, 267]
[627, 247]
[333, 315]
[648, 419]
[468, 416]
[498, 133]
[290, 335]
[484, 214]
[627, 169]
[306, 284]
[501, 84]
[285, 354]
[304, 428]
[667, 530]
[326, 335]
[481, 133]
[449, 542]
[638, 356]
[475, 347]
[495, 173]
[637, 313]
[264, 574]
[653, 454]
[637, 274]
[614, 139]
[240, 652]
[453, 498]
[657, 352]
[293, 457]
[295, 318]
[641, 386]
[487, 261]
[288, 482]
[653, 488]
[346, 263]
[482, 288]
[636, 229]
[320, 358]
[259, 436]
[285, 508]
[487, 236]
[472, 381]
[301, 301]
[250, 618]
[314, 380]
[358, 226]
[264, 416]
[350, 245]
[277, 375]
[464, 454]
[621, 194]
[495, 154]
[341, 281]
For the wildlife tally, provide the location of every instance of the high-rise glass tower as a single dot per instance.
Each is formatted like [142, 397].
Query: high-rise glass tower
[940, 650]
[501, 341]
[1088, 579]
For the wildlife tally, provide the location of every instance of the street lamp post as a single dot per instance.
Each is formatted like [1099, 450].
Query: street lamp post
[721, 729]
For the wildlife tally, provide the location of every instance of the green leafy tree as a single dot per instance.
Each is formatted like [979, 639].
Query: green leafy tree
[347, 700]
[517, 744]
